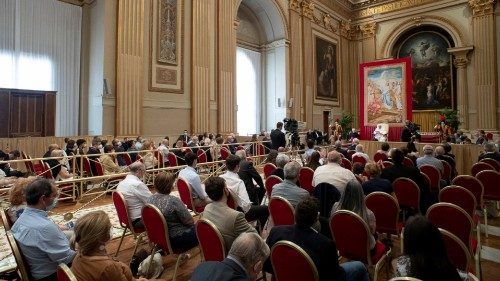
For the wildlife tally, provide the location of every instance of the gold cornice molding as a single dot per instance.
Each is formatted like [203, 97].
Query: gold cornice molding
[482, 7]
[389, 7]
[307, 9]
[324, 20]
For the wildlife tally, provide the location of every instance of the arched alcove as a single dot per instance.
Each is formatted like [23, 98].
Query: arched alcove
[261, 59]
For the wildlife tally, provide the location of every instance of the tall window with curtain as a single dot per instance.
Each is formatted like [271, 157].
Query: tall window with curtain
[248, 87]
[40, 50]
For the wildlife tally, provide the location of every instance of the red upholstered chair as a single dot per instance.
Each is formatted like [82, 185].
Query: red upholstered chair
[261, 149]
[458, 253]
[480, 166]
[127, 159]
[7, 222]
[387, 164]
[281, 211]
[457, 221]
[86, 167]
[28, 164]
[291, 263]
[350, 153]
[352, 237]
[270, 182]
[186, 195]
[379, 156]
[346, 164]
[157, 231]
[359, 159]
[386, 210]
[446, 171]
[305, 178]
[407, 193]
[434, 175]
[47, 171]
[64, 273]
[224, 153]
[491, 183]
[475, 187]
[426, 180]
[202, 156]
[211, 241]
[125, 221]
[172, 159]
[492, 162]
[22, 265]
[159, 156]
[268, 169]
[98, 167]
[187, 150]
[489, 136]
[408, 162]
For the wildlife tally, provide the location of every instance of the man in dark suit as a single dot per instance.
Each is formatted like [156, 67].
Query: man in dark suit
[406, 132]
[490, 152]
[413, 173]
[243, 263]
[320, 249]
[248, 174]
[278, 137]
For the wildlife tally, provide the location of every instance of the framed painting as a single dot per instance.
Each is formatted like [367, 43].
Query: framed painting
[326, 71]
[386, 92]
[432, 73]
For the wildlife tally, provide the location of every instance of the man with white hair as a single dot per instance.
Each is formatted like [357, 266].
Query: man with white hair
[429, 159]
[360, 152]
[164, 149]
[352, 146]
[333, 173]
[289, 189]
[490, 152]
[244, 261]
[281, 161]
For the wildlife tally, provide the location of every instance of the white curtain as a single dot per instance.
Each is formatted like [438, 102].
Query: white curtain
[40, 50]
[248, 88]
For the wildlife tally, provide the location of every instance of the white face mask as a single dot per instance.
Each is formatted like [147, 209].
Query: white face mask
[100, 147]
[119, 143]
[52, 205]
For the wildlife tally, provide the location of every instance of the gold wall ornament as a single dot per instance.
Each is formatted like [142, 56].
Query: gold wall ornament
[482, 7]
[307, 9]
[295, 5]
[389, 7]
[347, 30]
[368, 29]
[460, 62]
[417, 21]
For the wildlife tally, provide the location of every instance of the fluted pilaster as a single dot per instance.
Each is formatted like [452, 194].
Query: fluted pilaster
[129, 67]
[296, 61]
[460, 61]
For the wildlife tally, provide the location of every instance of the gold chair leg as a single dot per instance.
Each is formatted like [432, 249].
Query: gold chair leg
[485, 212]
[121, 241]
[150, 262]
[177, 263]
[139, 240]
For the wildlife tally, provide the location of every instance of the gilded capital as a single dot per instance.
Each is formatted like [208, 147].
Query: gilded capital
[368, 29]
[295, 5]
[307, 9]
[460, 61]
[346, 29]
[482, 7]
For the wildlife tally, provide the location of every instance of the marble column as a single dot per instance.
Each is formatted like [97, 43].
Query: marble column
[294, 101]
[484, 35]
[129, 67]
[460, 61]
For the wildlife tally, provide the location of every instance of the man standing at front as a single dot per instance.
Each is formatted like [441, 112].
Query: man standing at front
[43, 244]
[278, 137]
[135, 192]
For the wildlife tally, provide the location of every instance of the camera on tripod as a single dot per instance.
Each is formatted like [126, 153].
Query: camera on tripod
[292, 128]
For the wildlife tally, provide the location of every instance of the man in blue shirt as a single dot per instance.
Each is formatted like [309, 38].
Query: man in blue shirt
[200, 197]
[42, 242]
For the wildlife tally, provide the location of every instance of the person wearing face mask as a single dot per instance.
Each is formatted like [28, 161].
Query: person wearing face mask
[41, 241]
[92, 262]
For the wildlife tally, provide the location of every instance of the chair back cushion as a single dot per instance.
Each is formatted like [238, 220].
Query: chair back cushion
[291, 263]
[86, 167]
[491, 183]
[224, 153]
[379, 156]
[459, 196]
[305, 178]
[185, 192]
[452, 218]
[387, 164]
[121, 210]
[358, 159]
[172, 159]
[350, 153]
[434, 175]
[327, 194]
[480, 166]
[446, 171]
[202, 156]
[269, 169]
[407, 193]
[211, 241]
[346, 164]
[281, 211]
[64, 273]
[127, 159]
[386, 210]
[98, 167]
[156, 227]
[494, 163]
[270, 182]
[351, 234]
[408, 162]
[473, 185]
[456, 249]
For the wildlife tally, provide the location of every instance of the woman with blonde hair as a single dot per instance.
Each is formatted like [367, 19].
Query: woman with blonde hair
[148, 157]
[92, 262]
[353, 199]
[180, 223]
[17, 198]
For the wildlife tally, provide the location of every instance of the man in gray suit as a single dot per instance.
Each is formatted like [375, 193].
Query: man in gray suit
[288, 189]
[231, 223]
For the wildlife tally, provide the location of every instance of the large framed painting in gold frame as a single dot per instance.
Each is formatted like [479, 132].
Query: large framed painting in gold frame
[385, 95]
[326, 77]
[166, 46]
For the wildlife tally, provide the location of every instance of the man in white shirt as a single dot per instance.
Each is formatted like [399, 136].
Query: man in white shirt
[164, 149]
[189, 174]
[360, 152]
[135, 192]
[239, 192]
[333, 173]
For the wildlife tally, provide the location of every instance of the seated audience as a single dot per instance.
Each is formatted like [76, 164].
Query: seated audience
[81, 146]
[429, 159]
[108, 162]
[17, 197]
[180, 223]
[43, 244]
[424, 255]
[339, 149]
[71, 148]
[164, 150]
[248, 174]
[320, 249]
[440, 155]
[384, 148]
[59, 171]
[357, 170]
[309, 150]
[5, 167]
[271, 157]
[375, 182]
[92, 262]
[281, 160]
[481, 137]
[231, 223]
[244, 261]
[239, 193]
[215, 148]
[51, 147]
[135, 192]
[360, 152]
[490, 152]
[354, 143]
[118, 146]
[148, 156]
[333, 173]
[353, 199]
[190, 175]
[313, 161]
[447, 150]
[289, 189]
